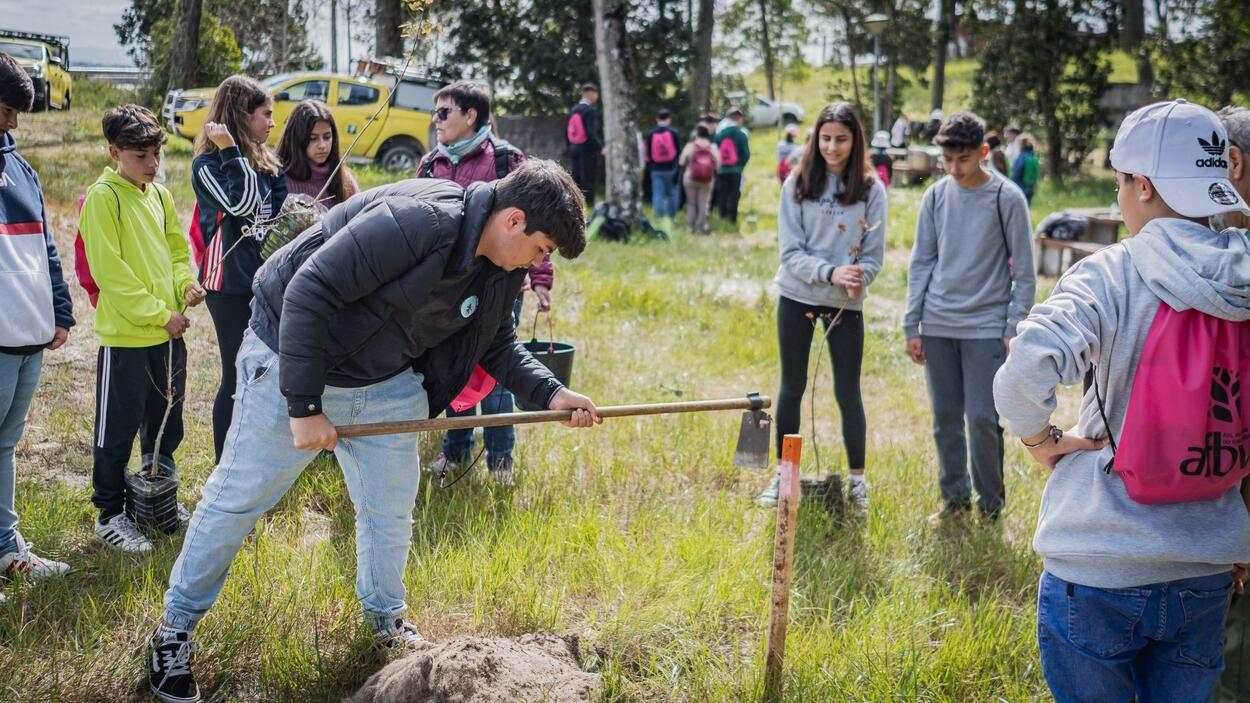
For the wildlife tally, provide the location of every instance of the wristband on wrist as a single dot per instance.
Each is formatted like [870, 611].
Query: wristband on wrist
[1053, 433]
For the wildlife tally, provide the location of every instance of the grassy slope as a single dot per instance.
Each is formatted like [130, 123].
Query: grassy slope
[638, 535]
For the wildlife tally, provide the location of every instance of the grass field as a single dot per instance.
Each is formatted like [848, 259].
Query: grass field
[639, 535]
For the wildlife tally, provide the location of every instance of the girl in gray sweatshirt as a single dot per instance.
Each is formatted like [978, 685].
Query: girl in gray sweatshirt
[831, 230]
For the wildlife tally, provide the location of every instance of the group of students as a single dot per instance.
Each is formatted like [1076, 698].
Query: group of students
[386, 309]
[708, 163]
[1144, 528]
[705, 166]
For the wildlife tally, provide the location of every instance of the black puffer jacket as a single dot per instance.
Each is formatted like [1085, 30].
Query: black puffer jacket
[383, 285]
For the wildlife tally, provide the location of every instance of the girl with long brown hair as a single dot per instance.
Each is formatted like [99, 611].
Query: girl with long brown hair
[238, 182]
[310, 154]
[831, 227]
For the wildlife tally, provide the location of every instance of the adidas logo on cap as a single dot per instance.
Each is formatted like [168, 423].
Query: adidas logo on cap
[1215, 148]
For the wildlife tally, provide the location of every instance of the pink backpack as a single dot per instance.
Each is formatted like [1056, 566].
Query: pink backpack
[576, 130]
[702, 165]
[728, 152]
[663, 147]
[1186, 436]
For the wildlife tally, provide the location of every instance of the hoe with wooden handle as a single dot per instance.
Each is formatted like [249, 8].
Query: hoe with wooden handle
[752, 450]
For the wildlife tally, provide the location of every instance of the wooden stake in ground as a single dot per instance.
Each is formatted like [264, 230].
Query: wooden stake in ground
[783, 565]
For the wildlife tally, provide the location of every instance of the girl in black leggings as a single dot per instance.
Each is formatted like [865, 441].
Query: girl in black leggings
[237, 183]
[831, 229]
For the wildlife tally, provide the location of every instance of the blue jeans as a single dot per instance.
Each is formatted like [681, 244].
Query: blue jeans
[1159, 642]
[499, 441]
[664, 193]
[259, 463]
[19, 375]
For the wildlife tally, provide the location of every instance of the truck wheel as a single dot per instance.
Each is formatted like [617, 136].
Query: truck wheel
[789, 119]
[400, 156]
[43, 103]
[65, 103]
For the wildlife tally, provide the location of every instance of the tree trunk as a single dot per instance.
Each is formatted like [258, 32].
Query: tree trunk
[769, 69]
[941, 38]
[184, 62]
[1133, 37]
[620, 124]
[388, 16]
[701, 87]
[850, 27]
[334, 36]
[891, 72]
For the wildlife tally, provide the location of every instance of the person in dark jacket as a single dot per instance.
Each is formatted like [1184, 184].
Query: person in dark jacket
[377, 313]
[38, 312]
[238, 183]
[585, 146]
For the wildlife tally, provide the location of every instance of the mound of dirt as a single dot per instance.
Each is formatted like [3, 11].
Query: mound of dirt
[535, 668]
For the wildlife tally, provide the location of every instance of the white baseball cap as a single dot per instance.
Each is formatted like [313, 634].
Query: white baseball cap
[1183, 150]
[880, 140]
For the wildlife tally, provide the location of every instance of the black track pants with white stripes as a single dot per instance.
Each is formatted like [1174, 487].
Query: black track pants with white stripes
[131, 398]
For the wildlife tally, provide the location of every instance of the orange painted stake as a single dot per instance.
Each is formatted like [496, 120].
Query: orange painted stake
[783, 565]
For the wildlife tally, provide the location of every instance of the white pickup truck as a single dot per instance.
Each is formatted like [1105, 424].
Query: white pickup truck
[762, 112]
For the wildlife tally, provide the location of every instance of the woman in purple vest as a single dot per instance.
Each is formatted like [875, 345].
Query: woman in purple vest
[468, 152]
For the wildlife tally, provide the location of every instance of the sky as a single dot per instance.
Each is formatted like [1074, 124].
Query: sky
[89, 26]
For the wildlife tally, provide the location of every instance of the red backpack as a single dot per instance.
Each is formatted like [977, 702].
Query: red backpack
[1186, 435]
[576, 130]
[702, 165]
[728, 152]
[663, 147]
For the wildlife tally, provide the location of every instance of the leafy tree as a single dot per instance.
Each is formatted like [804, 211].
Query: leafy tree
[774, 30]
[1044, 68]
[217, 58]
[1205, 55]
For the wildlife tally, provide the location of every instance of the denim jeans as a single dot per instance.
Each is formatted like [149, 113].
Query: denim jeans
[259, 463]
[664, 193]
[1158, 642]
[499, 441]
[19, 375]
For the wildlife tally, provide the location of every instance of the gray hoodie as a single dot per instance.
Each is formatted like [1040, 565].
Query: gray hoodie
[817, 235]
[1089, 531]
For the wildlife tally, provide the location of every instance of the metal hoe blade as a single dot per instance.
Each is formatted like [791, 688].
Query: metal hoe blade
[753, 436]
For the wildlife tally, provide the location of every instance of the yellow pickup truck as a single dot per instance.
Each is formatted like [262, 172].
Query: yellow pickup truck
[396, 139]
[45, 57]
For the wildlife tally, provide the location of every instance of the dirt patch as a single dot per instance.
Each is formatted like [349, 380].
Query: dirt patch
[533, 668]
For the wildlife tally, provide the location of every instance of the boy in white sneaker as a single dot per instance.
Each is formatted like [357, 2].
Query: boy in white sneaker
[1140, 529]
[37, 315]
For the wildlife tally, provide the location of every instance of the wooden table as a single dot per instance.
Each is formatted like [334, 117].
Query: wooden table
[1054, 256]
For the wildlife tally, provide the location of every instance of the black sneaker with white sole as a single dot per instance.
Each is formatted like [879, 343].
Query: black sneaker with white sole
[169, 668]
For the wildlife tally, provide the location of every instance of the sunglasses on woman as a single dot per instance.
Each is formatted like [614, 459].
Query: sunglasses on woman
[442, 113]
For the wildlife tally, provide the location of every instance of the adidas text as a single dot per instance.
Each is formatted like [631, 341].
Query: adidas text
[1211, 162]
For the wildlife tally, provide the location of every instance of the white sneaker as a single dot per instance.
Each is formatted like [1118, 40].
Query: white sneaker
[768, 498]
[399, 635]
[120, 533]
[857, 494]
[25, 561]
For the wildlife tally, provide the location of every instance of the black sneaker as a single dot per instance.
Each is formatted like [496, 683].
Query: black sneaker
[169, 668]
[956, 510]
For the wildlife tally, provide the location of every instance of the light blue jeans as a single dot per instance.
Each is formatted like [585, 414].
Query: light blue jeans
[259, 463]
[19, 375]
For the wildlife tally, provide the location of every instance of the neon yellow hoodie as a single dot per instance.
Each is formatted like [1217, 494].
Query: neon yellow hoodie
[138, 258]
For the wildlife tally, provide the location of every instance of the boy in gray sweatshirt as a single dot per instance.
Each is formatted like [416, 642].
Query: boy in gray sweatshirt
[971, 280]
[1133, 596]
